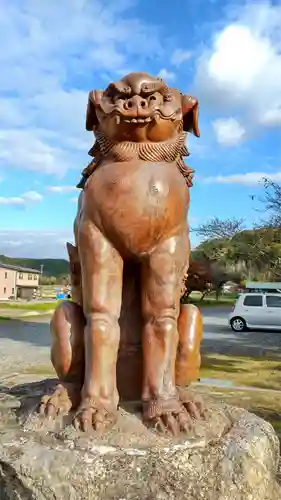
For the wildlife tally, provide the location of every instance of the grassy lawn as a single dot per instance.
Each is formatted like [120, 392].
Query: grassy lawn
[210, 300]
[35, 306]
[259, 372]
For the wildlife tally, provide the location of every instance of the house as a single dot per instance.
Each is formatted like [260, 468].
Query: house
[18, 282]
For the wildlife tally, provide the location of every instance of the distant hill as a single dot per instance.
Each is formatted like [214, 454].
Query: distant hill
[52, 267]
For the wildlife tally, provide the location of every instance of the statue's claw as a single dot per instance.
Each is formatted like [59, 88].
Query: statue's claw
[65, 397]
[92, 415]
[167, 416]
[193, 404]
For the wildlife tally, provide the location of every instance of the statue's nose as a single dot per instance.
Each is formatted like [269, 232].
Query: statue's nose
[135, 103]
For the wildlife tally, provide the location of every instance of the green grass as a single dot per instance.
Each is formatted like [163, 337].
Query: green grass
[210, 300]
[40, 306]
[4, 318]
[259, 372]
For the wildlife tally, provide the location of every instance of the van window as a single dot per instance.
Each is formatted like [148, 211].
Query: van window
[273, 301]
[253, 300]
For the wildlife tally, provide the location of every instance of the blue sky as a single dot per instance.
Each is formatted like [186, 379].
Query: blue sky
[228, 54]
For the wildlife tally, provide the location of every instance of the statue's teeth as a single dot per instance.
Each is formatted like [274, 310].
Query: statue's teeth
[137, 120]
[118, 119]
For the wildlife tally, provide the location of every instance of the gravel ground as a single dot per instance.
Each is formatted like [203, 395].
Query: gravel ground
[22, 344]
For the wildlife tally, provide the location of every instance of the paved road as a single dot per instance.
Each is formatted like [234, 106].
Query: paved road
[219, 338]
[23, 343]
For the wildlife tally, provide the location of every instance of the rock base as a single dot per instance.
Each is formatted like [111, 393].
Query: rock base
[232, 455]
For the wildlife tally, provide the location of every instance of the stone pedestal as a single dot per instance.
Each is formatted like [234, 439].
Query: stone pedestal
[233, 455]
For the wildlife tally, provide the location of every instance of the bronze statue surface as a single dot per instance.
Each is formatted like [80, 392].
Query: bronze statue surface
[126, 334]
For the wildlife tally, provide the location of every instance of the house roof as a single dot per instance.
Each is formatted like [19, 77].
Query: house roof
[19, 268]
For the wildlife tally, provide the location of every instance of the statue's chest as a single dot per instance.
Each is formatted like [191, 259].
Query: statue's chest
[145, 180]
[137, 204]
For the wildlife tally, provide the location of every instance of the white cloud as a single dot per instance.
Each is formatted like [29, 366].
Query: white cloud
[32, 196]
[179, 56]
[242, 70]
[228, 131]
[166, 75]
[247, 179]
[32, 149]
[23, 200]
[35, 244]
[272, 117]
[42, 124]
[61, 189]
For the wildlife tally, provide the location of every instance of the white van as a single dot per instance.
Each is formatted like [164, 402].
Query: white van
[257, 311]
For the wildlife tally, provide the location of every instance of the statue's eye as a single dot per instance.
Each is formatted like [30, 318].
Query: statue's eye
[119, 97]
[152, 98]
[168, 97]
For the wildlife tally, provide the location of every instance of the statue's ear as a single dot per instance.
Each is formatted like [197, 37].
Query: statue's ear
[190, 111]
[91, 116]
[72, 252]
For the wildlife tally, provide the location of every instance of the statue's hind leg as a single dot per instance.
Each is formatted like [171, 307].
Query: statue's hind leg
[162, 274]
[67, 355]
[188, 360]
[190, 326]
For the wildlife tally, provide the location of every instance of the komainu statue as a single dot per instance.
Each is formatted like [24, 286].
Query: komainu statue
[126, 335]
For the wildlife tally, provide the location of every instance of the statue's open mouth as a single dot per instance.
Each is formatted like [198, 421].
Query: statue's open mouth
[143, 119]
[138, 120]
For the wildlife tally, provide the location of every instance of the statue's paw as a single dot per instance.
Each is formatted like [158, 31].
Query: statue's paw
[192, 403]
[64, 397]
[167, 416]
[92, 415]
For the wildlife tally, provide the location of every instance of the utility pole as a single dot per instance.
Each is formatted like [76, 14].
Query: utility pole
[41, 273]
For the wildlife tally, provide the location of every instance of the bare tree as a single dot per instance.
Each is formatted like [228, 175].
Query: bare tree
[219, 228]
[270, 228]
[272, 203]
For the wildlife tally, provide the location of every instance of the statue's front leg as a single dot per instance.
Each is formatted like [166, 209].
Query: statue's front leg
[161, 289]
[102, 269]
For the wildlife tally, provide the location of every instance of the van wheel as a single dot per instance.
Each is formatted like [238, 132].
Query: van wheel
[238, 325]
